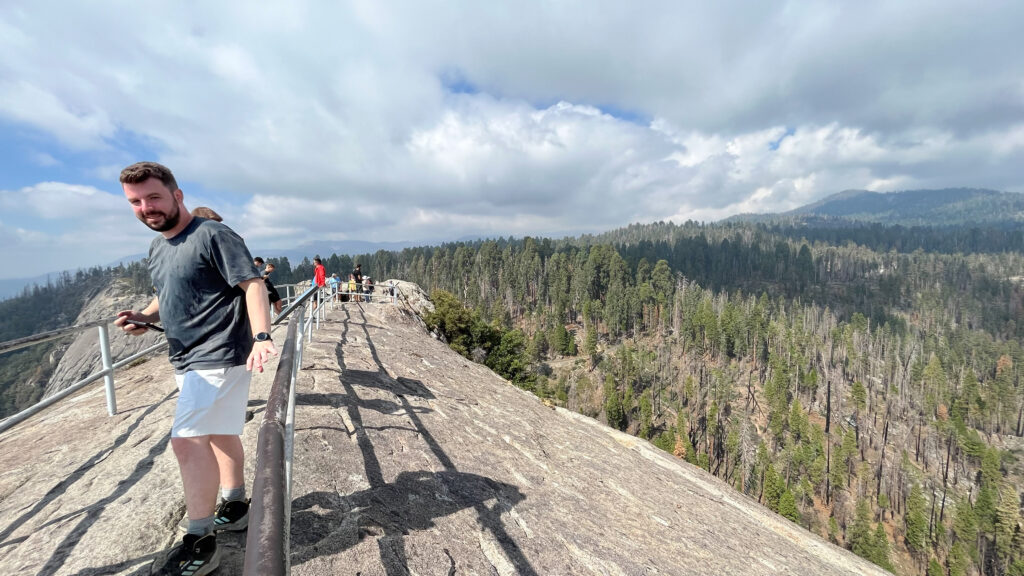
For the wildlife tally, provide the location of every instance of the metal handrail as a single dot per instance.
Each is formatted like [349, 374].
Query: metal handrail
[107, 373]
[19, 343]
[267, 543]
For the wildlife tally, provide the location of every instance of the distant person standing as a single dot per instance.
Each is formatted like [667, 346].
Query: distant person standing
[354, 295]
[357, 274]
[333, 282]
[211, 301]
[319, 279]
[272, 293]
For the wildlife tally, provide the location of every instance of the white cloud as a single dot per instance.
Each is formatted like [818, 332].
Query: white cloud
[31, 104]
[54, 226]
[60, 201]
[317, 120]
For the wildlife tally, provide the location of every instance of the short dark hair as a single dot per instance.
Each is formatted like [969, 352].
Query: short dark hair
[258, 259]
[359, 265]
[141, 171]
[317, 260]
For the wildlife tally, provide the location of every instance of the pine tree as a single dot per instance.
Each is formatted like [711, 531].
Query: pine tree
[959, 560]
[1007, 517]
[590, 344]
[965, 524]
[558, 338]
[847, 457]
[773, 488]
[880, 548]
[787, 506]
[646, 415]
[858, 536]
[917, 521]
[613, 405]
[797, 421]
[988, 492]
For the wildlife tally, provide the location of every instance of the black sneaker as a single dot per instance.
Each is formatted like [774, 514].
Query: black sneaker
[232, 516]
[195, 556]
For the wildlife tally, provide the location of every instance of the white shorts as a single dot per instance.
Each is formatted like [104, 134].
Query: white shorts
[211, 401]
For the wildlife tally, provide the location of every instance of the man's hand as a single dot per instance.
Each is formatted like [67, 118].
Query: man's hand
[260, 355]
[122, 321]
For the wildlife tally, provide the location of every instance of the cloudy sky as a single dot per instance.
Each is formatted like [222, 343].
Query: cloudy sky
[428, 121]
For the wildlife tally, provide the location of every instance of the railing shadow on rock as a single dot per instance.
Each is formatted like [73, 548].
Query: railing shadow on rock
[410, 502]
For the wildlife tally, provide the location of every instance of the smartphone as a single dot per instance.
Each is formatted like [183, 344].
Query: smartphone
[149, 325]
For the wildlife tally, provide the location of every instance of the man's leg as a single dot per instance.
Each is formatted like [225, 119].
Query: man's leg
[199, 474]
[230, 457]
[233, 510]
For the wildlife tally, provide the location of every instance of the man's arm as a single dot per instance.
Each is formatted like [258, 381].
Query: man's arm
[150, 313]
[257, 305]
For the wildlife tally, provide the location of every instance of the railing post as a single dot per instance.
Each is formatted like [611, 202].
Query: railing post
[321, 310]
[108, 368]
[309, 325]
[289, 422]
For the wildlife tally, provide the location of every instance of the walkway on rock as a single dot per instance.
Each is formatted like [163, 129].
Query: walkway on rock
[409, 459]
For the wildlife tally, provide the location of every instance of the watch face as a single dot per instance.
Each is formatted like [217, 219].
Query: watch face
[262, 337]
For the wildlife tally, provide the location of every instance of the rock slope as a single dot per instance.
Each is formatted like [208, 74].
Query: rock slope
[82, 357]
[409, 459]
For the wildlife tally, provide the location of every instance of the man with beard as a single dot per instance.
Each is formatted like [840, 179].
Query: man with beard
[212, 302]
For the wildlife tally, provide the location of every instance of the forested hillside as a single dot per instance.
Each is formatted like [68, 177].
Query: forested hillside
[871, 396]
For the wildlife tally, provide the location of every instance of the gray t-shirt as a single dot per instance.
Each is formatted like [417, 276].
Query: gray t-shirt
[196, 275]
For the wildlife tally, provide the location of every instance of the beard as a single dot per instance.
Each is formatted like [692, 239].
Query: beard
[169, 220]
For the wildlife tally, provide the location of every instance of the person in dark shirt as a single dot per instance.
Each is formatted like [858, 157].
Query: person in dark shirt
[357, 275]
[212, 302]
[272, 293]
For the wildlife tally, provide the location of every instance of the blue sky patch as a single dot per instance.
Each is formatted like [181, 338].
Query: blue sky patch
[775, 145]
[455, 82]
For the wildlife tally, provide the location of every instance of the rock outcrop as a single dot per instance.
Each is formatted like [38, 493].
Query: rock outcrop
[409, 459]
[82, 357]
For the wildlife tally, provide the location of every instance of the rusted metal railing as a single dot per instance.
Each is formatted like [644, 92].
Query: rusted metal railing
[267, 545]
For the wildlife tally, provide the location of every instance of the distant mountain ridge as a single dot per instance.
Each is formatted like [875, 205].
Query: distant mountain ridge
[945, 207]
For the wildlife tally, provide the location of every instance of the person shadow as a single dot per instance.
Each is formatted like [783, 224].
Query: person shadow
[328, 522]
[414, 501]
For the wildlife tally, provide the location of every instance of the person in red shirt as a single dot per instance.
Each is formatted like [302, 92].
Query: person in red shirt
[319, 278]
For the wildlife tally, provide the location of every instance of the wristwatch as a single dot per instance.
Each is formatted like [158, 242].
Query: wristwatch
[261, 337]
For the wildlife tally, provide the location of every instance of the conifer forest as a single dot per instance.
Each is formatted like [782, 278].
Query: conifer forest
[869, 394]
